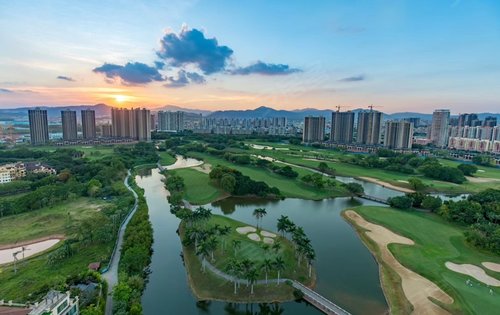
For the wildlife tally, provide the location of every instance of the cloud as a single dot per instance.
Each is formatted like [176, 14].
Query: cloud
[355, 78]
[62, 77]
[265, 69]
[131, 72]
[159, 65]
[184, 78]
[5, 91]
[191, 47]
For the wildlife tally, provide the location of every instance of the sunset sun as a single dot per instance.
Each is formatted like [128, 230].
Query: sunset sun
[121, 98]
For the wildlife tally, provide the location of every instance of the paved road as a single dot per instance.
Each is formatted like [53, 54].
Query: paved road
[111, 274]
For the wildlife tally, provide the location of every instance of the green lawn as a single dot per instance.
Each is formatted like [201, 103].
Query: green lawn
[58, 219]
[437, 241]
[209, 286]
[166, 158]
[301, 155]
[293, 188]
[90, 151]
[199, 190]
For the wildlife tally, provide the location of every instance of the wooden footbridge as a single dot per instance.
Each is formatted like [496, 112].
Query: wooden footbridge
[373, 198]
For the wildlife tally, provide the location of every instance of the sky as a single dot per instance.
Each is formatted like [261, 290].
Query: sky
[216, 55]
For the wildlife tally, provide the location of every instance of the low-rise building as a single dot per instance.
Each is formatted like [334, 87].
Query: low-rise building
[56, 303]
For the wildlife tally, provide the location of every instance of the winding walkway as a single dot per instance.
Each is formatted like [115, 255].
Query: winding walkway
[111, 272]
[311, 296]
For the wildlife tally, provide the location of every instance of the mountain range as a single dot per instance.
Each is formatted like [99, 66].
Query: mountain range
[104, 111]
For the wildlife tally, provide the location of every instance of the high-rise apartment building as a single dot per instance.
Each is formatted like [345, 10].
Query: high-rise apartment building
[69, 127]
[106, 131]
[88, 124]
[131, 123]
[342, 129]
[468, 120]
[39, 126]
[170, 121]
[490, 121]
[314, 129]
[369, 125]
[439, 127]
[398, 134]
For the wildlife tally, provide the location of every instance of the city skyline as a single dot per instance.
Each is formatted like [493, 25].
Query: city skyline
[399, 56]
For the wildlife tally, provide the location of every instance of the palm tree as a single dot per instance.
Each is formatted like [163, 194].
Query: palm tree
[203, 251]
[267, 265]
[279, 265]
[211, 244]
[282, 224]
[259, 213]
[276, 246]
[236, 245]
[223, 231]
[252, 275]
[310, 256]
[232, 268]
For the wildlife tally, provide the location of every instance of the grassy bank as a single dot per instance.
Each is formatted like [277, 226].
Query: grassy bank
[311, 157]
[208, 286]
[166, 158]
[436, 241]
[199, 189]
[59, 219]
[293, 188]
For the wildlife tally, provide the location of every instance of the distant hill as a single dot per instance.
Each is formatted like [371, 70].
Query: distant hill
[104, 111]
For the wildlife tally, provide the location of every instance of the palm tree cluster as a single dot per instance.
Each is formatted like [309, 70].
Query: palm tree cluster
[259, 213]
[303, 247]
[248, 271]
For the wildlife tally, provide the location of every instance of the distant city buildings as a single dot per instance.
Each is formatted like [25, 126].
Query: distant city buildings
[439, 127]
[131, 123]
[39, 127]
[106, 131]
[170, 121]
[398, 134]
[314, 129]
[342, 127]
[69, 126]
[244, 126]
[369, 126]
[88, 124]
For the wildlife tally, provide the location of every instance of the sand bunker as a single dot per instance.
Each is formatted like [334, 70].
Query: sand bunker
[268, 240]
[182, 162]
[386, 184]
[7, 255]
[416, 288]
[492, 266]
[473, 271]
[246, 229]
[204, 168]
[254, 237]
[267, 234]
[481, 180]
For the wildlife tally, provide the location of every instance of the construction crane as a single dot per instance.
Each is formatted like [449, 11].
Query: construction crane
[371, 107]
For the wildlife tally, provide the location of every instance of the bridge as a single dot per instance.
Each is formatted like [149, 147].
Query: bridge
[373, 198]
[320, 302]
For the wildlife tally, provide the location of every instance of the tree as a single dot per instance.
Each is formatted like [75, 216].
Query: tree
[228, 183]
[259, 213]
[276, 246]
[400, 202]
[236, 245]
[203, 251]
[467, 169]
[416, 184]
[252, 275]
[174, 183]
[267, 265]
[282, 224]
[232, 268]
[354, 189]
[431, 203]
[279, 265]
[483, 160]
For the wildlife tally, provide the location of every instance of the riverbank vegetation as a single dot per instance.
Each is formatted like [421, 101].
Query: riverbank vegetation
[84, 203]
[248, 260]
[135, 259]
[436, 242]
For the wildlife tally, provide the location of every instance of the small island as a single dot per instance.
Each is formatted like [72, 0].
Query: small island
[228, 260]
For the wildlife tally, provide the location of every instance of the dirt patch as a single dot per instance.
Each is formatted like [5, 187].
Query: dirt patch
[492, 266]
[386, 184]
[416, 288]
[473, 271]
